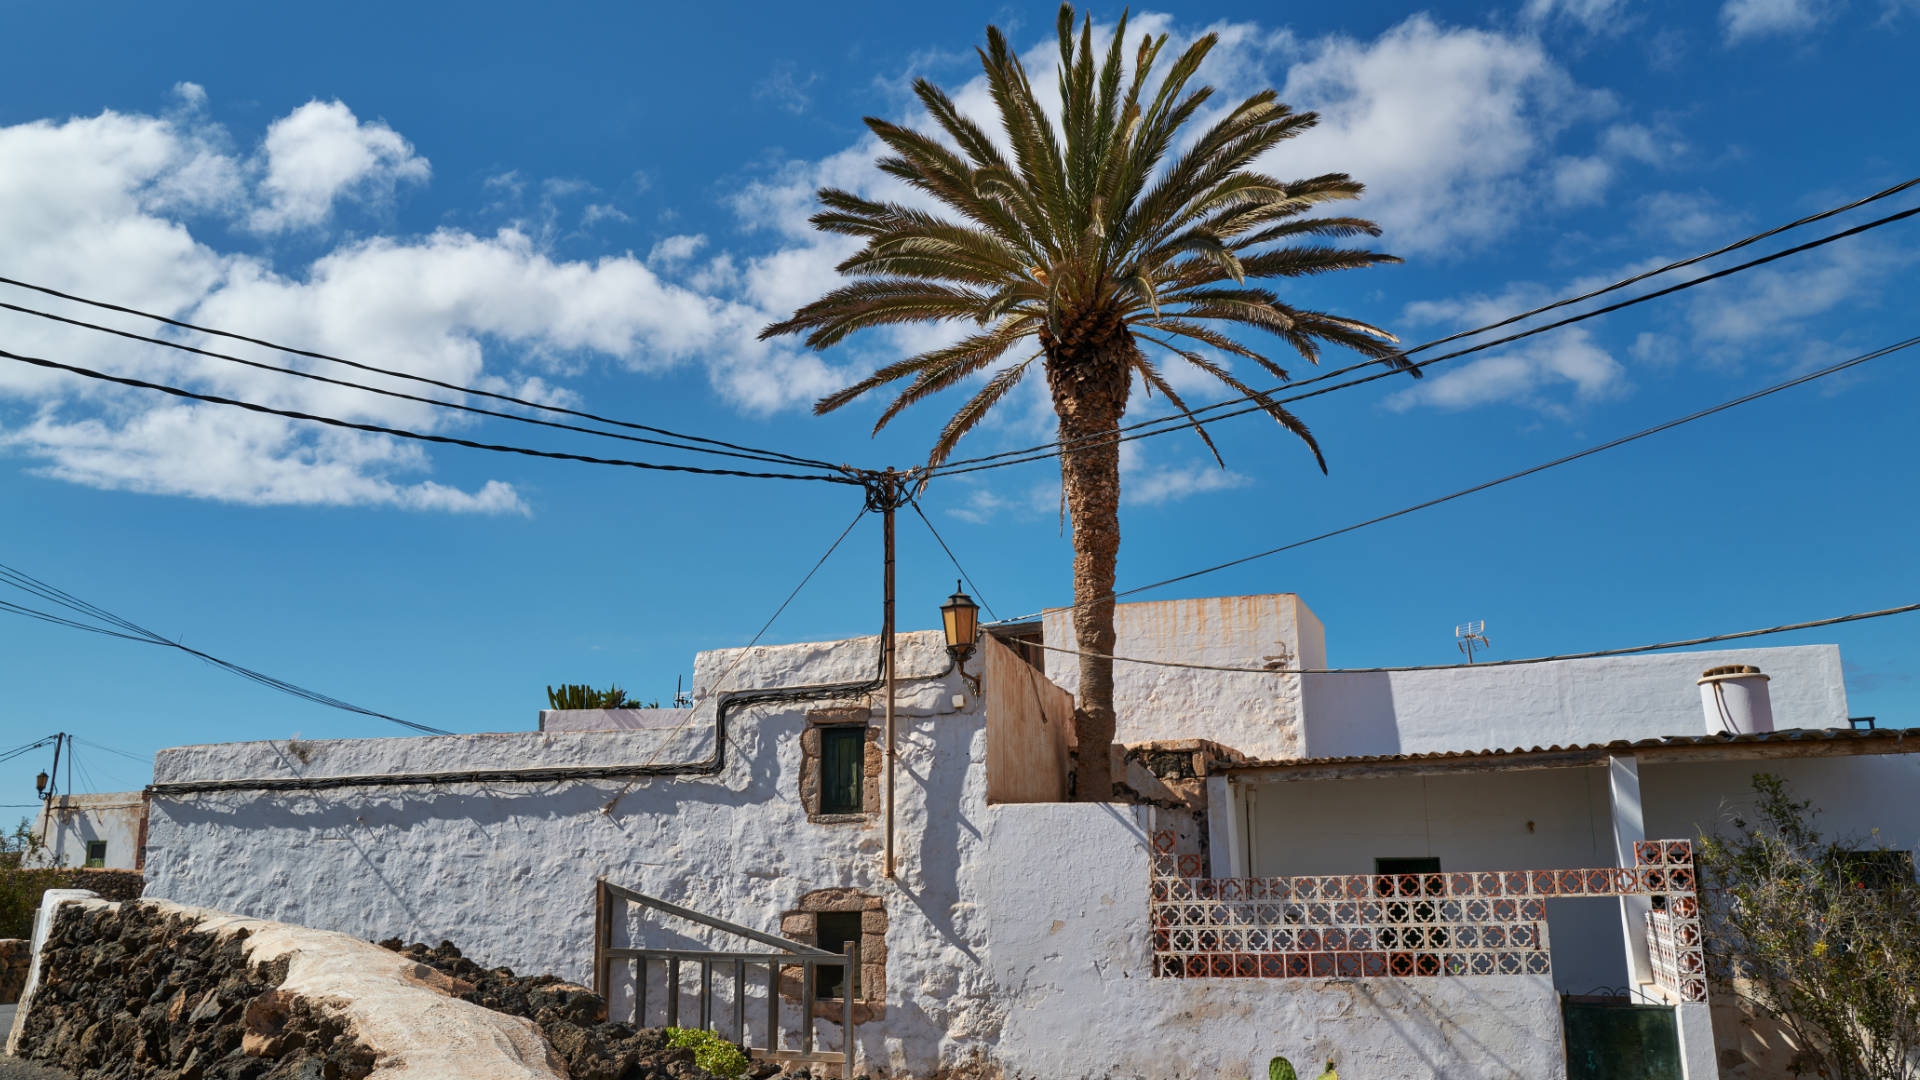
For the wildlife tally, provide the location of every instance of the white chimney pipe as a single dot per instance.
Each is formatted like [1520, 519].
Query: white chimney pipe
[1735, 700]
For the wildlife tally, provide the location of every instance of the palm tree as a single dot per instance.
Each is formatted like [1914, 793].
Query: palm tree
[1081, 238]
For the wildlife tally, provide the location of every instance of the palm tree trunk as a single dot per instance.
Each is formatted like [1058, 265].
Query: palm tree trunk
[1090, 396]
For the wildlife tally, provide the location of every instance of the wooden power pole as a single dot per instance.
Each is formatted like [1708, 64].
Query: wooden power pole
[892, 488]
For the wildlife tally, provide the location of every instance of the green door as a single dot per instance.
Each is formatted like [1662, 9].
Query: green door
[1621, 1042]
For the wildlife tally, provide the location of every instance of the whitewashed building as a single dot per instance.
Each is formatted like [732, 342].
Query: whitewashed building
[1411, 874]
[105, 831]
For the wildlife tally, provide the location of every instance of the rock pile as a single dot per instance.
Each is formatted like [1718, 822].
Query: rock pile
[16, 954]
[573, 1019]
[127, 992]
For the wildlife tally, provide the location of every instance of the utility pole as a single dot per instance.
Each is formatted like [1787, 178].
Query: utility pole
[886, 646]
[884, 495]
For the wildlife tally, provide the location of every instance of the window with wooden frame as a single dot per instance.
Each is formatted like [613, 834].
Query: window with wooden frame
[96, 855]
[843, 761]
[840, 765]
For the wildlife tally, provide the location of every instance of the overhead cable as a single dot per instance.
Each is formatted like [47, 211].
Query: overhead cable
[1596, 654]
[26, 582]
[275, 368]
[378, 429]
[404, 375]
[1832, 369]
[942, 541]
[1181, 422]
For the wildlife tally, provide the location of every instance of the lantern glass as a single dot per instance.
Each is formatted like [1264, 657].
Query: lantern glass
[40, 783]
[960, 617]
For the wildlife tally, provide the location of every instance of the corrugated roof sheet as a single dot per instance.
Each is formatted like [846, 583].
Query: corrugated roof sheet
[1786, 736]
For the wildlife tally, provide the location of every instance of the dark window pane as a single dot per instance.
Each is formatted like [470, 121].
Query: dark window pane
[97, 854]
[843, 752]
[837, 928]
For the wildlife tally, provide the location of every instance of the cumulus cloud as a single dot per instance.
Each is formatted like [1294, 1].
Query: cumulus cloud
[320, 154]
[1447, 126]
[1532, 375]
[1746, 19]
[1598, 16]
[107, 206]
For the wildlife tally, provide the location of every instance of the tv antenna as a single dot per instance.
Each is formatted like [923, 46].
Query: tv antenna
[681, 699]
[1466, 635]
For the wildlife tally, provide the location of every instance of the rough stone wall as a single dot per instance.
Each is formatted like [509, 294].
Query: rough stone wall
[153, 989]
[15, 955]
[507, 870]
[126, 991]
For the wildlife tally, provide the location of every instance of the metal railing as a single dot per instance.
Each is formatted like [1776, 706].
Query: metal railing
[610, 909]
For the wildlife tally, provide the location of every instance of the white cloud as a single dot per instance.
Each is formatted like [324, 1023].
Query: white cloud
[1745, 19]
[1772, 306]
[786, 89]
[1600, 16]
[1447, 126]
[675, 249]
[1687, 217]
[321, 153]
[1581, 181]
[1527, 375]
[103, 205]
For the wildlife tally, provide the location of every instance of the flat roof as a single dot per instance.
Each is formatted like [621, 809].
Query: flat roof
[1786, 743]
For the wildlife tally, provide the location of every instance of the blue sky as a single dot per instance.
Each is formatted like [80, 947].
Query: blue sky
[600, 205]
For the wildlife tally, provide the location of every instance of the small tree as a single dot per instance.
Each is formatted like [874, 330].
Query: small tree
[20, 886]
[1821, 936]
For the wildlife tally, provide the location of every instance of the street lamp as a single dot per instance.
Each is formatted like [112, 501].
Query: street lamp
[961, 618]
[40, 784]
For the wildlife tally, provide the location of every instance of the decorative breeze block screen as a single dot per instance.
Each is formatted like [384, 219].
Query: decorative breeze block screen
[1407, 925]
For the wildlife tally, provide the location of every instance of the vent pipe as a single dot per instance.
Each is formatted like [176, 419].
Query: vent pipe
[1735, 700]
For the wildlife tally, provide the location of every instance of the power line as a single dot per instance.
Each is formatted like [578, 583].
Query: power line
[26, 582]
[111, 750]
[741, 655]
[781, 459]
[1810, 376]
[1596, 654]
[1181, 421]
[559, 410]
[405, 434]
[952, 557]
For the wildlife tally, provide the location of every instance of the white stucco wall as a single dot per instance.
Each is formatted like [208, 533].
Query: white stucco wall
[506, 870]
[74, 821]
[1565, 703]
[1547, 819]
[1080, 1003]
[1257, 714]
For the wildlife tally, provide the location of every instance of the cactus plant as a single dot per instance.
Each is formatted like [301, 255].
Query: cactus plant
[581, 696]
[1282, 1069]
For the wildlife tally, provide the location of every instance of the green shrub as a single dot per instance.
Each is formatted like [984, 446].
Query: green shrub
[710, 1052]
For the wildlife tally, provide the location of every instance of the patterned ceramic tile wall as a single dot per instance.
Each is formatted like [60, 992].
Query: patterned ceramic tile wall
[1405, 925]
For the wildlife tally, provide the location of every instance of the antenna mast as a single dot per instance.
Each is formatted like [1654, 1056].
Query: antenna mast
[1468, 634]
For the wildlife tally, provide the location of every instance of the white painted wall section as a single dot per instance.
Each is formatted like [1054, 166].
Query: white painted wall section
[1257, 714]
[71, 822]
[1080, 1004]
[1630, 828]
[1570, 702]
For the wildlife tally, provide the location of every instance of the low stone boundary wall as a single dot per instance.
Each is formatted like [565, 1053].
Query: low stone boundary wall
[153, 988]
[15, 954]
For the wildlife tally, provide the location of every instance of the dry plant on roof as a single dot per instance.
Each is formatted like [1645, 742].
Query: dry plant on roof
[1109, 239]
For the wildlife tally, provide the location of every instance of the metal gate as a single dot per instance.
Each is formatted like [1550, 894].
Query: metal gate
[1607, 1041]
[611, 908]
